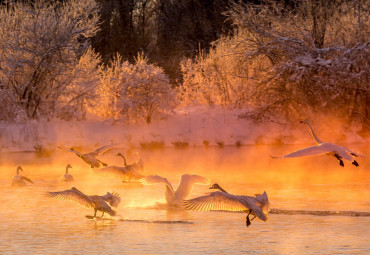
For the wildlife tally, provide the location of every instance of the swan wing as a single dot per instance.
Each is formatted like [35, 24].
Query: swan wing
[186, 184]
[27, 179]
[309, 151]
[101, 150]
[215, 201]
[73, 195]
[113, 171]
[221, 201]
[155, 179]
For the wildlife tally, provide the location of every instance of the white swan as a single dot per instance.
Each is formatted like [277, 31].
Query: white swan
[127, 173]
[20, 180]
[183, 191]
[67, 177]
[331, 149]
[259, 206]
[98, 203]
[90, 158]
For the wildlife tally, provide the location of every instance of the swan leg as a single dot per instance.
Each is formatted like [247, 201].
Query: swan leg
[102, 215]
[248, 221]
[340, 160]
[91, 217]
[355, 163]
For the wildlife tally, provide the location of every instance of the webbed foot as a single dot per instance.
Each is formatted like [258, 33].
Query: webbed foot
[355, 163]
[341, 163]
[248, 222]
[89, 217]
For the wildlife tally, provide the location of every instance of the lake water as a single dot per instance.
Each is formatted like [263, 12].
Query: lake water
[31, 223]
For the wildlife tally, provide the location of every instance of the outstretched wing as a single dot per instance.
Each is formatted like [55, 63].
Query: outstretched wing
[113, 171]
[221, 201]
[73, 195]
[215, 201]
[309, 151]
[186, 185]
[27, 179]
[101, 150]
[155, 179]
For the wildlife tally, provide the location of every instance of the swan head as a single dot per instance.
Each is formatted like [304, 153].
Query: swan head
[215, 186]
[305, 121]
[19, 168]
[119, 155]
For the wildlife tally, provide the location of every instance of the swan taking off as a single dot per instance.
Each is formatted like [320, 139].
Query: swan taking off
[98, 203]
[20, 180]
[127, 173]
[339, 152]
[90, 158]
[67, 177]
[259, 206]
[183, 191]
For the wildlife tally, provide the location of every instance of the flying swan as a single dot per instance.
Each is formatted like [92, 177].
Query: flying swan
[98, 203]
[183, 191]
[67, 177]
[127, 173]
[259, 206]
[20, 180]
[90, 158]
[330, 149]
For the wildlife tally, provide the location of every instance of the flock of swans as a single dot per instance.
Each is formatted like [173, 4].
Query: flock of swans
[257, 205]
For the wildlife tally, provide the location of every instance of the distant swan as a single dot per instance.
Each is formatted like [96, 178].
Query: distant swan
[132, 172]
[20, 180]
[183, 191]
[90, 158]
[98, 203]
[339, 152]
[67, 177]
[259, 205]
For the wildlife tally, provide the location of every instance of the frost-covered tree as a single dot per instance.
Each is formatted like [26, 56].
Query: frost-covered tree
[136, 91]
[313, 59]
[41, 43]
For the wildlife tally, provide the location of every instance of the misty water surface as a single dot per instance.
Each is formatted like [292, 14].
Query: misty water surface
[31, 223]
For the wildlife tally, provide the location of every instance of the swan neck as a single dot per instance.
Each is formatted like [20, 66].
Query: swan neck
[318, 141]
[221, 189]
[124, 160]
[67, 167]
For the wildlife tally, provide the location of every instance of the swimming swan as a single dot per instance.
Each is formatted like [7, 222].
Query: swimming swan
[20, 180]
[339, 152]
[259, 206]
[90, 158]
[67, 177]
[98, 203]
[126, 173]
[183, 191]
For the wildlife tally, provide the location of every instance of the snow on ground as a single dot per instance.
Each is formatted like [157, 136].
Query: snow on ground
[195, 126]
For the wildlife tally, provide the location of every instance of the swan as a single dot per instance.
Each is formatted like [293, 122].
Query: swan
[90, 157]
[259, 206]
[98, 203]
[126, 172]
[331, 149]
[20, 180]
[183, 191]
[67, 177]
[138, 165]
